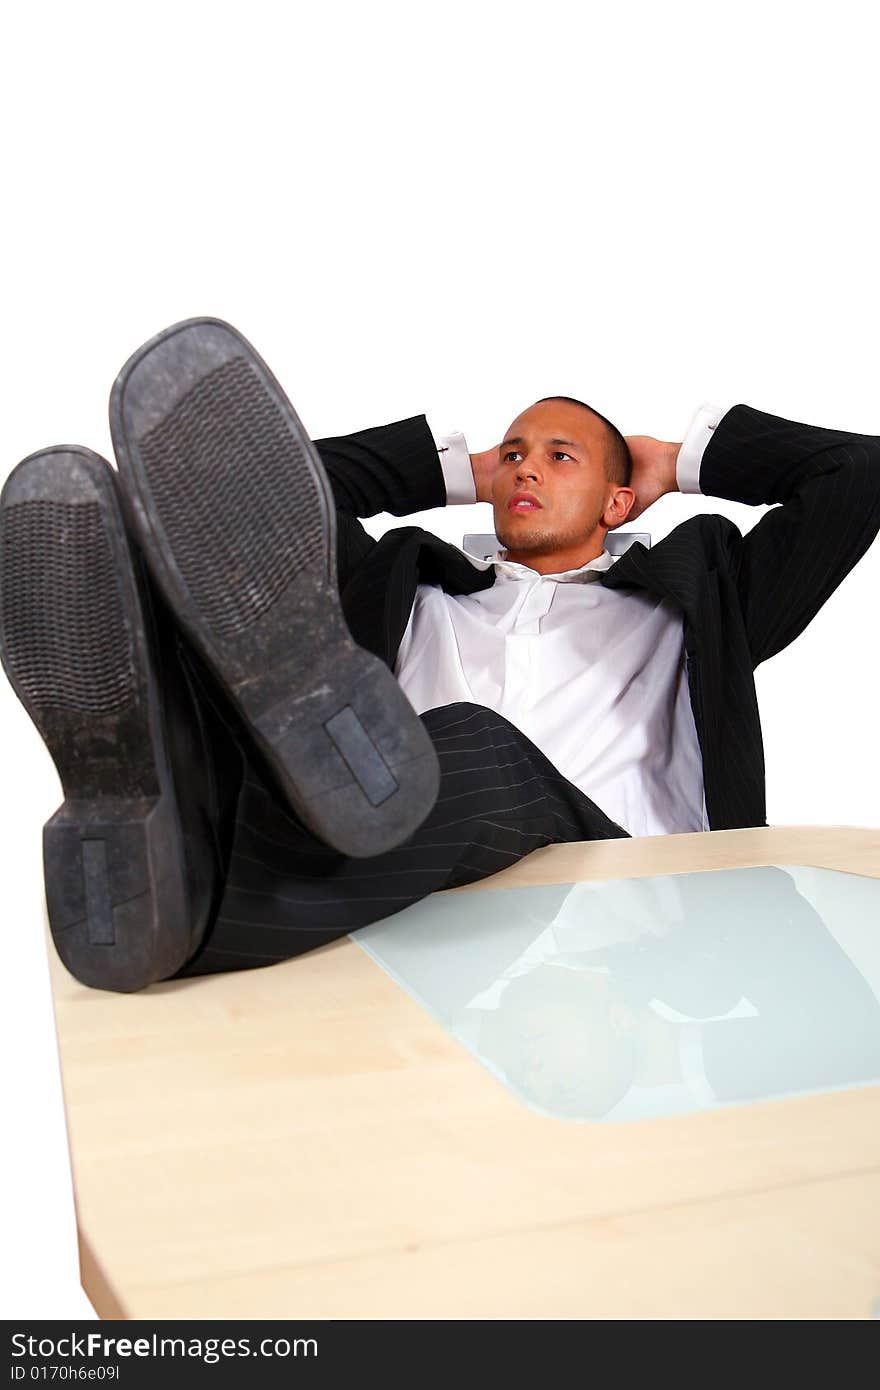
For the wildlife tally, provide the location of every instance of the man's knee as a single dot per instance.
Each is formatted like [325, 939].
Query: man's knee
[464, 718]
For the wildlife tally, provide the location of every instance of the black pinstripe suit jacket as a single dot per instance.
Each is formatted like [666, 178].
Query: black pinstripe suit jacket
[743, 598]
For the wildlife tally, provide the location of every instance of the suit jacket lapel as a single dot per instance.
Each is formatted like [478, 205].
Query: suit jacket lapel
[674, 568]
[379, 596]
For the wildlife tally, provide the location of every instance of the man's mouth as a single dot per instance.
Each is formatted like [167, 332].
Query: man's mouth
[523, 502]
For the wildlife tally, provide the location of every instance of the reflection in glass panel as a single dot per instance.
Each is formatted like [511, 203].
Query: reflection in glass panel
[627, 998]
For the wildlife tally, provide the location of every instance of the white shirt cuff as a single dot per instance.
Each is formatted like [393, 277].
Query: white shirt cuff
[690, 455]
[455, 461]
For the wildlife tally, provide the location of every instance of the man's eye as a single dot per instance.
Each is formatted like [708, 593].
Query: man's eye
[510, 453]
[558, 454]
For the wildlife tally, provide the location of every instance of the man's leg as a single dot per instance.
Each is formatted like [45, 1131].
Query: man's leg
[286, 892]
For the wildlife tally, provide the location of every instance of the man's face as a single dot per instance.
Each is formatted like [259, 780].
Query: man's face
[554, 453]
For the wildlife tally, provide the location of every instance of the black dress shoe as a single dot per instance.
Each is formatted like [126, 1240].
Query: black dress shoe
[130, 858]
[236, 519]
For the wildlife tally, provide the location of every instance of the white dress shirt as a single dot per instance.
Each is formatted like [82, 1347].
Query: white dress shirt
[595, 677]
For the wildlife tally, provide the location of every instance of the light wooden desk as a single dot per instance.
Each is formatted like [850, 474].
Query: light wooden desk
[304, 1141]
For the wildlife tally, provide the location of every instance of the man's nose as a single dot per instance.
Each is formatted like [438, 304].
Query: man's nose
[527, 471]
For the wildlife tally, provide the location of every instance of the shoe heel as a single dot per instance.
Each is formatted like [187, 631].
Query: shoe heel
[350, 756]
[115, 893]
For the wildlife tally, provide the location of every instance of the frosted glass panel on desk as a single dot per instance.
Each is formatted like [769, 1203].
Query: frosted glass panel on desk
[627, 998]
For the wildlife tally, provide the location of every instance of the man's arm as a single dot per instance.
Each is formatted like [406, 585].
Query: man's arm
[827, 483]
[398, 468]
[388, 468]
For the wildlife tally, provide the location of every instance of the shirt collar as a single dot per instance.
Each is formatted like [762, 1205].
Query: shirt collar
[514, 570]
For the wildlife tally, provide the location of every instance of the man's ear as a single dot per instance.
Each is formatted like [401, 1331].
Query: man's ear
[618, 508]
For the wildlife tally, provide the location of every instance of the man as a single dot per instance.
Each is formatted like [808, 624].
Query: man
[207, 648]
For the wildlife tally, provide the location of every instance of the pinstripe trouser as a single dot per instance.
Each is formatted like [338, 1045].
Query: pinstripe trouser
[286, 892]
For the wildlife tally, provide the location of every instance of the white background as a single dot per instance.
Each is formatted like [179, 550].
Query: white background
[450, 210]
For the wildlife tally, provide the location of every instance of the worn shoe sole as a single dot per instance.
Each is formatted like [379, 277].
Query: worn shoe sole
[76, 647]
[236, 519]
